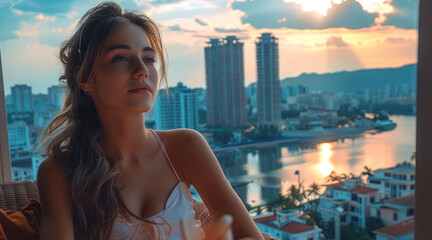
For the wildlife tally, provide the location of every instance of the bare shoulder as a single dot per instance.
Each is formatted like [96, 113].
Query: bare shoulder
[49, 168]
[184, 147]
[56, 221]
[51, 180]
[179, 135]
[178, 141]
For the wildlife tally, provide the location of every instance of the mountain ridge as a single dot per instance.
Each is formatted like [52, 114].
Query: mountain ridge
[352, 81]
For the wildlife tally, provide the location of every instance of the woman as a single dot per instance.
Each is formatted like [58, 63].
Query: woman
[106, 175]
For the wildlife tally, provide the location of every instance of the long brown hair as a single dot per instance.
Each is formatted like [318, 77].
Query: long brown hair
[74, 135]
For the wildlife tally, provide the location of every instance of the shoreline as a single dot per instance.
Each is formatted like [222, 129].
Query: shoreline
[324, 135]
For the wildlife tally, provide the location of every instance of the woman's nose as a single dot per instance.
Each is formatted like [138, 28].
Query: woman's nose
[141, 70]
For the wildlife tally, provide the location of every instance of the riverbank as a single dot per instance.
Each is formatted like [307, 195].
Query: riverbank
[293, 136]
[333, 134]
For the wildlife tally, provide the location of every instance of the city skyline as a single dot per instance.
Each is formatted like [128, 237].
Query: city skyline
[313, 38]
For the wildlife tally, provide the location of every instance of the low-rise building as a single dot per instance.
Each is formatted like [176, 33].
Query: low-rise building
[394, 210]
[350, 195]
[394, 182]
[286, 225]
[403, 230]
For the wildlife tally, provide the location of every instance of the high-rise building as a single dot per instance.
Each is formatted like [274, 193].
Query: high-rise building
[268, 89]
[22, 98]
[224, 63]
[56, 95]
[19, 136]
[178, 109]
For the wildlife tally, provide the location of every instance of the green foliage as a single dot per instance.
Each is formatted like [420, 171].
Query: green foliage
[350, 113]
[260, 133]
[223, 137]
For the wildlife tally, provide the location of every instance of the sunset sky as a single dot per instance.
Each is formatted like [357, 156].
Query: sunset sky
[314, 35]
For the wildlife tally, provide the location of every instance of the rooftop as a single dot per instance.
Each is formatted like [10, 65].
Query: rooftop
[404, 201]
[400, 168]
[292, 227]
[398, 229]
[363, 190]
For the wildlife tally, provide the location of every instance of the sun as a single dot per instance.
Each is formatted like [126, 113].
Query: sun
[319, 6]
[322, 6]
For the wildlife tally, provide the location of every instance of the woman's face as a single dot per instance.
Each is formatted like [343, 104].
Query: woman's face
[127, 78]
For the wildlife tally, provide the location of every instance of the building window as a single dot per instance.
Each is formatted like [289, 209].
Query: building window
[375, 181]
[372, 199]
[395, 216]
[387, 185]
[410, 212]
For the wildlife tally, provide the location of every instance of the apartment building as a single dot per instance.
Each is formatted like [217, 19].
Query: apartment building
[394, 210]
[353, 197]
[394, 182]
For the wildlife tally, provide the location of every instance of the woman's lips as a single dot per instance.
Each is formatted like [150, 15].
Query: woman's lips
[139, 90]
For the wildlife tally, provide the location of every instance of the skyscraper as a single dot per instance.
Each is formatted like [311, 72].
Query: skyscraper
[22, 98]
[224, 63]
[56, 95]
[178, 109]
[268, 89]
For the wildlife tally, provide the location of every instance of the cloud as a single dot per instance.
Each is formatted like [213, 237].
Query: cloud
[9, 27]
[405, 14]
[224, 30]
[277, 14]
[336, 41]
[398, 40]
[200, 22]
[177, 28]
[45, 6]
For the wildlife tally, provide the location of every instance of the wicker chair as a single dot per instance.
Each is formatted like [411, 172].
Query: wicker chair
[14, 196]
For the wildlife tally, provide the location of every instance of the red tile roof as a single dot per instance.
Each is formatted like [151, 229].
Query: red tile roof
[292, 227]
[295, 227]
[404, 201]
[397, 229]
[334, 185]
[363, 190]
[265, 219]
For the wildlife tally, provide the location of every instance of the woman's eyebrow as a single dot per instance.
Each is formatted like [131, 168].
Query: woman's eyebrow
[123, 46]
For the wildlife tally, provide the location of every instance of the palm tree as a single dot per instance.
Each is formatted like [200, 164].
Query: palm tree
[332, 177]
[258, 210]
[367, 172]
[313, 190]
[413, 156]
[353, 176]
[296, 195]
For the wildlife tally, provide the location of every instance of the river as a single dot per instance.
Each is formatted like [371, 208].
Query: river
[259, 174]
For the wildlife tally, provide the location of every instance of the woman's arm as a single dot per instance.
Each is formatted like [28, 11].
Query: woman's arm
[56, 217]
[201, 168]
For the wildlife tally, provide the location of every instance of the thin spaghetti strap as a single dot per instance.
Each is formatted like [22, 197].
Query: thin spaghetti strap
[165, 152]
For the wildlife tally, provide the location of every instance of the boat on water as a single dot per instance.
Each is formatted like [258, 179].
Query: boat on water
[385, 125]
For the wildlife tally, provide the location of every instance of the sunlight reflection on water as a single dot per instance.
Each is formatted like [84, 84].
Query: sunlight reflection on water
[261, 173]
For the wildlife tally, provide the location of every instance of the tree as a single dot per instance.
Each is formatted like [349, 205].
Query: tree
[333, 176]
[313, 190]
[260, 209]
[367, 172]
[296, 195]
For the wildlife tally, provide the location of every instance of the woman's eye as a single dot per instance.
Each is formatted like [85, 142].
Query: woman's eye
[119, 59]
[149, 60]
